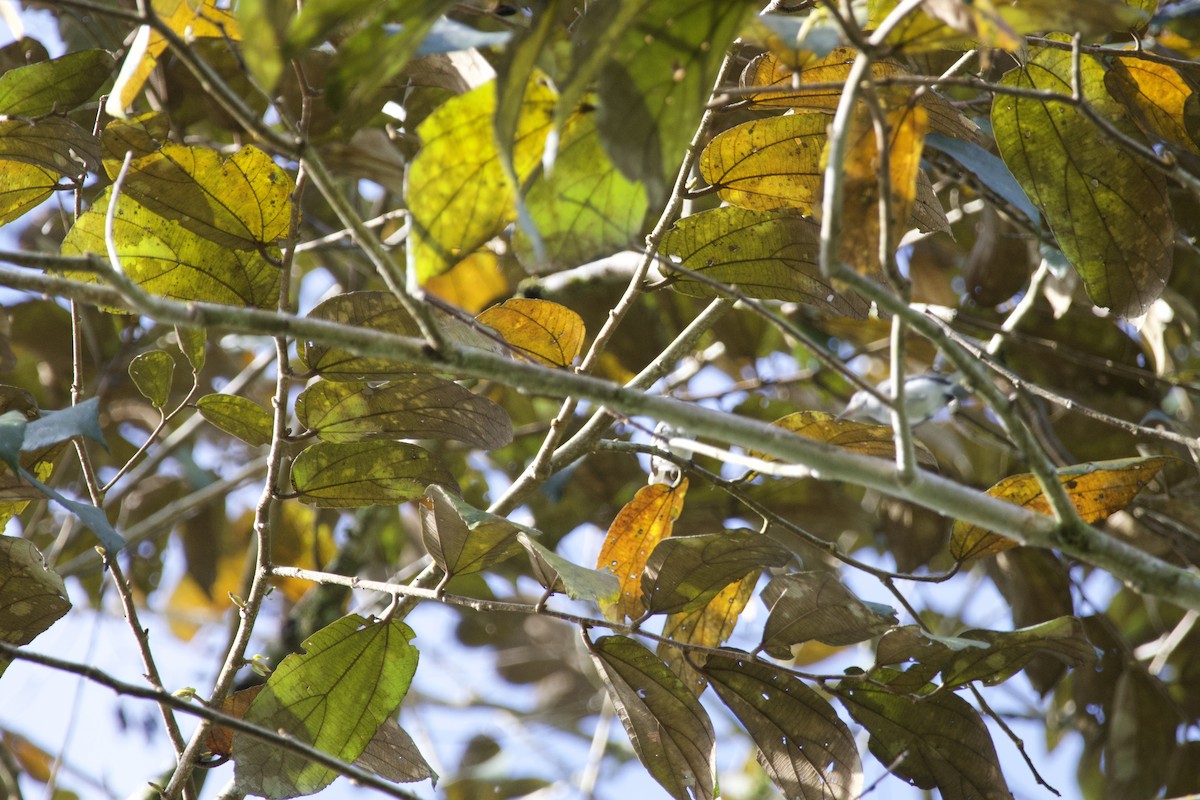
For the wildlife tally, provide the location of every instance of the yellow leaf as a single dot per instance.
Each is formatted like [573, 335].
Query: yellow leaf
[768, 163]
[707, 626]
[190, 607]
[23, 188]
[545, 332]
[645, 520]
[1096, 489]
[471, 283]
[859, 437]
[1156, 96]
[189, 20]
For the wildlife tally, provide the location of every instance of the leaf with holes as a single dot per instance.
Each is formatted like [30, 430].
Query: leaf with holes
[684, 573]
[1096, 489]
[329, 475]
[546, 332]
[641, 524]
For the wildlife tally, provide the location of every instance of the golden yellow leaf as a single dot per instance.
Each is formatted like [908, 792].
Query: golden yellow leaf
[645, 520]
[471, 283]
[190, 607]
[768, 163]
[860, 437]
[33, 760]
[541, 330]
[1096, 489]
[1155, 95]
[707, 626]
[220, 739]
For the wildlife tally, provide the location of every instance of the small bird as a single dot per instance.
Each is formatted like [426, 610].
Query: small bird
[924, 396]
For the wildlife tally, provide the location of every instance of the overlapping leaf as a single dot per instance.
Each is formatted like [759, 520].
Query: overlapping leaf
[456, 188]
[1156, 96]
[557, 574]
[55, 143]
[859, 437]
[462, 539]
[544, 331]
[806, 749]
[1096, 489]
[238, 416]
[409, 407]
[768, 163]
[640, 525]
[668, 727]
[684, 573]
[816, 605]
[58, 85]
[765, 254]
[708, 626]
[331, 475]
[351, 677]
[32, 597]
[1108, 210]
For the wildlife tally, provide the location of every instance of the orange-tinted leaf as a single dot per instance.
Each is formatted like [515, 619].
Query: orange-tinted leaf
[220, 739]
[709, 626]
[546, 332]
[644, 521]
[1097, 489]
[1155, 95]
[860, 437]
[471, 283]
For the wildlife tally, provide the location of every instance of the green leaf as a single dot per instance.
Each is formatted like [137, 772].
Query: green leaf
[560, 575]
[456, 187]
[351, 677]
[56, 143]
[152, 374]
[238, 416]
[584, 208]
[242, 202]
[380, 311]
[816, 605]
[683, 573]
[191, 343]
[772, 255]
[410, 407]
[594, 39]
[1107, 209]
[935, 740]
[805, 748]
[1142, 739]
[654, 88]
[58, 85]
[668, 727]
[460, 538]
[267, 19]
[330, 475]
[32, 596]
[167, 259]
[25, 186]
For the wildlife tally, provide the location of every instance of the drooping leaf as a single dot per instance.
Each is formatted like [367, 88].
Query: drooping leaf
[544, 331]
[243, 201]
[351, 677]
[59, 85]
[329, 475]
[709, 626]
[560, 575]
[640, 525]
[1096, 489]
[238, 416]
[1109, 212]
[768, 163]
[32, 596]
[584, 208]
[152, 374]
[1156, 96]
[380, 311]
[456, 188]
[936, 740]
[595, 37]
[653, 91]
[167, 259]
[409, 407]
[191, 343]
[816, 605]
[771, 255]
[268, 19]
[859, 437]
[393, 754]
[684, 573]
[805, 748]
[668, 727]
[56, 143]
[462, 539]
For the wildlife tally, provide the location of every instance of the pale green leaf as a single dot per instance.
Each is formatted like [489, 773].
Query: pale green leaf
[152, 374]
[238, 416]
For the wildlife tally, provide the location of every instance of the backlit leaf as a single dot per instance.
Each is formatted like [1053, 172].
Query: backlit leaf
[56, 143]
[684, 573]
[936, 740]
[330, 475]
[668, 727]
[1155, 96]
[641, 524]
[167, 259]
[653, 91]
[1108, 210]
[57, 85]
[473, 283]
[462, 539]
[32, 596]
[238, 416]
[152, 374]
[709, 626]
[1096, 489]
[584, 208]
[409, 407]
[816, 605]
[191, 343]
[545, 332]
[594, 38]
[771, 255]
[768, 163]
[334, 696]
[25, 186]
[456, 188]
[560, 575]
[859, 437]
[805, 748]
